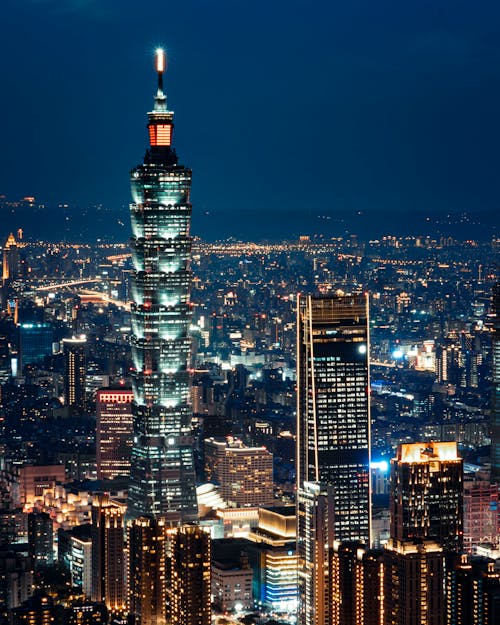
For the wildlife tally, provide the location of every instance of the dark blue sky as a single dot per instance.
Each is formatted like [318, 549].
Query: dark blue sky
[299, 105]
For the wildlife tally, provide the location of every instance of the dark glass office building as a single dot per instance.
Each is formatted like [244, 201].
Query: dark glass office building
[35, 342]
[162, 468]
[333, 413]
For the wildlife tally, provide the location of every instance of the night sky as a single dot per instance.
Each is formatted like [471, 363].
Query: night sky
[290, 105]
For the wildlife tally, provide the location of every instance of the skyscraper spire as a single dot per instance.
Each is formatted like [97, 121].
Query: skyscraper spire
[160, 98]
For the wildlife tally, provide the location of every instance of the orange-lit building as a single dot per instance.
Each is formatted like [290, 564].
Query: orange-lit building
[190, 577]
[427, 494]
[357, 584]
[108, 558]
[10, 264]
[148, 570]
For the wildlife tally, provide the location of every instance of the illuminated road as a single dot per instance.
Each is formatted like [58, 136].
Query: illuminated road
[63, 285]
[105, 299]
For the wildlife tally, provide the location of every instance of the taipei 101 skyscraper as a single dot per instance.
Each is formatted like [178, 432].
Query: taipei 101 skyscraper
[162, 481]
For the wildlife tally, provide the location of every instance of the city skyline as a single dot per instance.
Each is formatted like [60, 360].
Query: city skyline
[302, 430]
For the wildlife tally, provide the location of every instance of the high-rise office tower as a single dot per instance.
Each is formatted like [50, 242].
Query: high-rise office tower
[74, 373]
[495, 408]
[427, 494]
[190, 588]
[108, 567]
[333, 412]
[162, 470]
[113, 432]
[148, 571]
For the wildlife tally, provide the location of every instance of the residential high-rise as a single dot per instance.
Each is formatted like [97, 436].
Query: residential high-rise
[74, 555]
[472, 591]
[427, 494]
[495, 408]
[333, 412]
[74, 373]
[357, 583]
[190, 590]
[41, 539]
[108, 565]
[148, 571]
[413, 583]
[113, 432]
[162, 467]
[245, 474]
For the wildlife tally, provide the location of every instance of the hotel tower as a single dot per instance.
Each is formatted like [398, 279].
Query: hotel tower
[162, 480]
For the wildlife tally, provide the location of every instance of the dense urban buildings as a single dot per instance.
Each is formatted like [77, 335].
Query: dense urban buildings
[162, 471]
[431, 363]
[232, 373]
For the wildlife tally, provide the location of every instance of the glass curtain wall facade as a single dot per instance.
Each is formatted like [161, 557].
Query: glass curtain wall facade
[162, 468]
[333, 412]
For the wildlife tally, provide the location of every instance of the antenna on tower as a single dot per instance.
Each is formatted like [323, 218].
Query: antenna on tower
[160, 99]
[160, 68]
